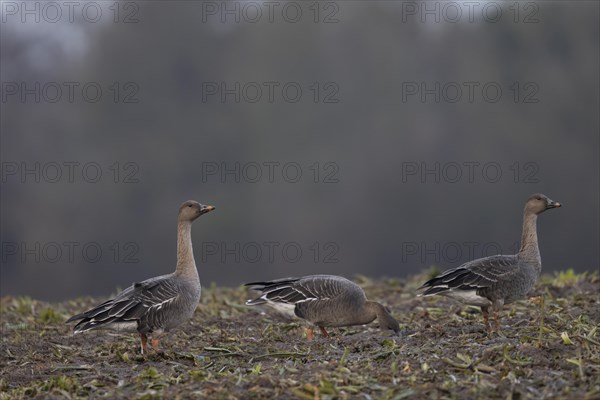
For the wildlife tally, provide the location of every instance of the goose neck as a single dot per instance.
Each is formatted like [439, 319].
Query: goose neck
[370, 311]
[186, 265]
[529, 241]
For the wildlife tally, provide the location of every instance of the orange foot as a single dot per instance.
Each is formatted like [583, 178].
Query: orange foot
[310, 333]
[535, 300]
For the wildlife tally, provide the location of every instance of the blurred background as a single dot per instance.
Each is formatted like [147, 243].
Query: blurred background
[364, 137]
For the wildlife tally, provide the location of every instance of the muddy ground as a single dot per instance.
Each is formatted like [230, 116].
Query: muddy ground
[549, 348]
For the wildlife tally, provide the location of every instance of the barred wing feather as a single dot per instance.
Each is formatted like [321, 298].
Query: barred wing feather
[476, 274]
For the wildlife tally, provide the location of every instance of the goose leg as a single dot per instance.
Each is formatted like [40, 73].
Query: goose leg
[144, 343]
[323, 332]
[497, 320]
[155, 343]
[496, 308]
[310, 333]
[486, 319]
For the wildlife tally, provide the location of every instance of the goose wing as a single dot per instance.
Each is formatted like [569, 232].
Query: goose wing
[298, 290]
[476, 274]
[145, 300]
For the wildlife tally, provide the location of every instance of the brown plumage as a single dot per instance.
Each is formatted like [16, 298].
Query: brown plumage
[156, 305]
[324, 301]
[491, 282]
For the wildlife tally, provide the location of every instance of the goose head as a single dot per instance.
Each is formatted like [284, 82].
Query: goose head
[387, 322]
[538, 203]
[382, 313]
[190, 210]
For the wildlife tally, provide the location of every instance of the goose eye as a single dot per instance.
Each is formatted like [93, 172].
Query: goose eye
[189, 205]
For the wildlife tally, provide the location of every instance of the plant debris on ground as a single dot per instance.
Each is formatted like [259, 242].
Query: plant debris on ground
[548, 348]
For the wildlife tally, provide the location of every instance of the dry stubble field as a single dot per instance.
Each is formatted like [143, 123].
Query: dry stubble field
[549, 348]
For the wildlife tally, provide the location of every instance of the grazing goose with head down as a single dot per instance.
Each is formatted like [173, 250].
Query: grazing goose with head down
[497, 280]
[323, 300]
[156, 305]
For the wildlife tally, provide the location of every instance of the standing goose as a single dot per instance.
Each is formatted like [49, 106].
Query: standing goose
[324, 301]
[497, 280]
[156, 305]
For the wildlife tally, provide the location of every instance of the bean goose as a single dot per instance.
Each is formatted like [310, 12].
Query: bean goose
[491, 282]
[159, 304]
[324, 301]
